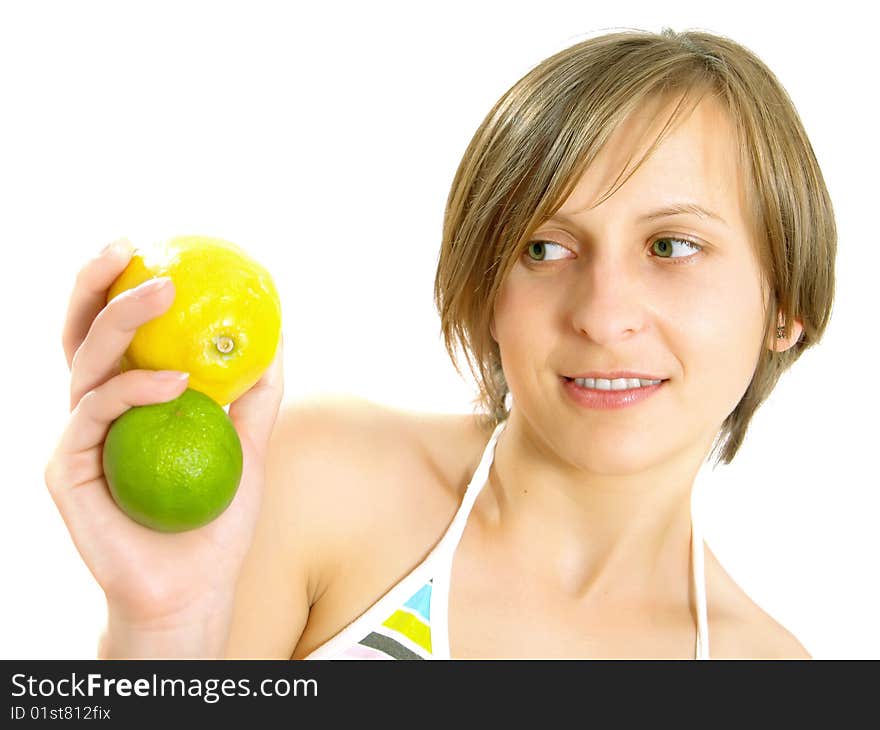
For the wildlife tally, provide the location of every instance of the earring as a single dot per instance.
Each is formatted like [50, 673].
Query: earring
[780, 332]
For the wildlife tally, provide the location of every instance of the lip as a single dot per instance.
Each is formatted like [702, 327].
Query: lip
[608, 399]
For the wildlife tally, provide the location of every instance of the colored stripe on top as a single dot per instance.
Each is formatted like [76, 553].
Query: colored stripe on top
[405, 634]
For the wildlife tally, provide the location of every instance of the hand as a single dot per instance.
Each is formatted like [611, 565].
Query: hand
[153, 581]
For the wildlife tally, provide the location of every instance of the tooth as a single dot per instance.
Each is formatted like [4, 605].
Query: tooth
[616, 384]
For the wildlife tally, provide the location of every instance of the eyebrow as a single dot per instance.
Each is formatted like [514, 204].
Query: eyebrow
[678, 208]
[682, 208]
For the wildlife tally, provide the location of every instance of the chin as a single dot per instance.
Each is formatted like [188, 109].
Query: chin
[610, 455]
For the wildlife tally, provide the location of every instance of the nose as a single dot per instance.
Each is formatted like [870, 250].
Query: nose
[609, 301]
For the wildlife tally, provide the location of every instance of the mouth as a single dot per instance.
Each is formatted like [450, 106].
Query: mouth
[607, 395]
[615, 384]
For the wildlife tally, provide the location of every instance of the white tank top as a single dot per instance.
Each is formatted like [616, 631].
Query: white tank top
[411, 621]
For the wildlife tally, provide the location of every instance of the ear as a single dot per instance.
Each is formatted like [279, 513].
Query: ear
[785, 343]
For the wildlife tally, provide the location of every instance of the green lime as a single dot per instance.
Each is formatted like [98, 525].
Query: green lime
[176, 465]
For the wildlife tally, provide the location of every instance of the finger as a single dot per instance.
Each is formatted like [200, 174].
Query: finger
[100, 530]
[97, 409]
[254, 413]
[89, 293]
[97, 359]
[88, 510]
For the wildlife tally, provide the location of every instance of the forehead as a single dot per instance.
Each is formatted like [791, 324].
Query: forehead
[698, 161]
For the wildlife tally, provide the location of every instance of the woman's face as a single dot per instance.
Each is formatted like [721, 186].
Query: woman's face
[606, 289]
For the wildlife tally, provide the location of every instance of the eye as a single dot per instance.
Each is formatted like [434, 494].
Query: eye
[537, 250]
[663, 247]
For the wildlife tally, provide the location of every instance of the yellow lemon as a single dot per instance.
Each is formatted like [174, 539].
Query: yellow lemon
[224, 325]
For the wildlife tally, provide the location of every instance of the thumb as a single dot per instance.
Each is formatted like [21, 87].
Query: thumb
[254, 413]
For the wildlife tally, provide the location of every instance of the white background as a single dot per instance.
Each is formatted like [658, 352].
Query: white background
[323, 138]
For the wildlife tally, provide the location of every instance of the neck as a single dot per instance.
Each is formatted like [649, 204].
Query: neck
[590, 535]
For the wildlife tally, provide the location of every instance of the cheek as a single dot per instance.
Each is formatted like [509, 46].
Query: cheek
[723, 338]
[513, 307]
[522, 319]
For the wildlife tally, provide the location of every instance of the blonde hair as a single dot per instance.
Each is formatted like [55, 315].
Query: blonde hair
[535, 143]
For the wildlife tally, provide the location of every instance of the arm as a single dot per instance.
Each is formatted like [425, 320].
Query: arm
[288, 563]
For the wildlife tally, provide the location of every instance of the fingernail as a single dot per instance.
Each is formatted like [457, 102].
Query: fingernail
[151, 286]
[170, 375]
[118, 248]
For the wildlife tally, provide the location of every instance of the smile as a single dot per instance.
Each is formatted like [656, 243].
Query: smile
[616, 384]
[606, 394]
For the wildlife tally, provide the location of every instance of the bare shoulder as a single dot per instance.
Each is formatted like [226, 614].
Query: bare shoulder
[347, 450]
[385, 485]
[384, 472]
[739, 627]
[427, 450]
[314, 496]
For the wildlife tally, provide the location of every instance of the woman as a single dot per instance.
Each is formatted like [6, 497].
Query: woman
[637, 243]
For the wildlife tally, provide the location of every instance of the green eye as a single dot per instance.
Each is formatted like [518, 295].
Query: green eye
[539, 247]
[663, 247]
[540, 251]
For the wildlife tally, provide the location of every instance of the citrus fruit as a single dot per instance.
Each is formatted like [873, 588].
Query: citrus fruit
[224, 324]
[173, 466]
